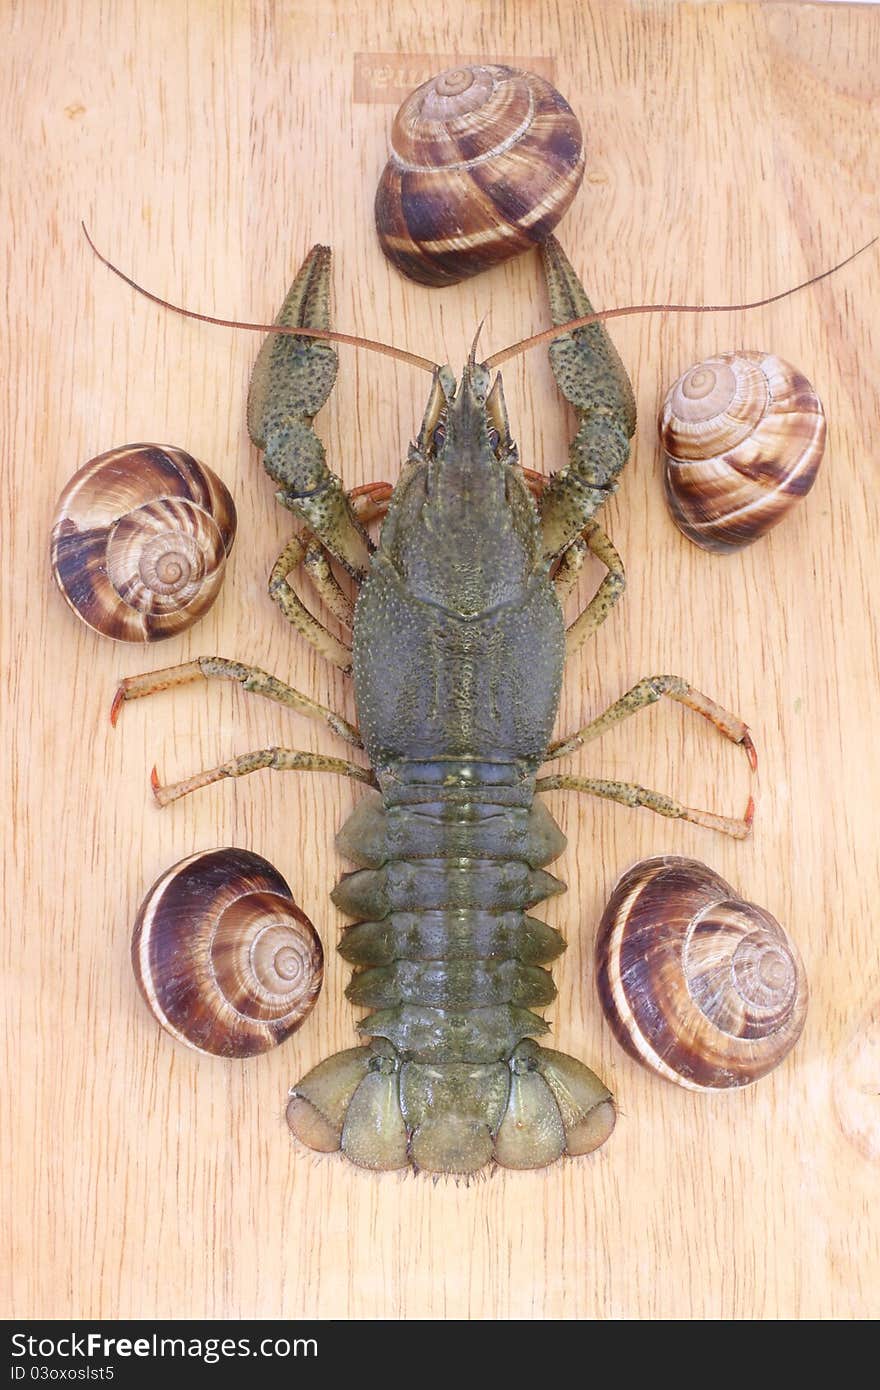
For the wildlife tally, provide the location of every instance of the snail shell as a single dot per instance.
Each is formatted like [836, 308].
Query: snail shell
[743, 435]
[223, 956]
[484, 162]
[705, 989]
[140, 540]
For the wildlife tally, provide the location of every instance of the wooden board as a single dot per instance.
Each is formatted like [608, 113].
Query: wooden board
[732, 152]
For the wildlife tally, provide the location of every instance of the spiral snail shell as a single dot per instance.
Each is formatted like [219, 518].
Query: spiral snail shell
[140, 540]
[743, 435]
[705, 989]
[223, 956]
[484, 162]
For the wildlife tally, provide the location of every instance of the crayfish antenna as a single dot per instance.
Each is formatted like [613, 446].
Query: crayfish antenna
[548, 334]
[325, 334]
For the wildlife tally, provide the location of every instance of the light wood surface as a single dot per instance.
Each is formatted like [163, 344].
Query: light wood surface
[732, 151]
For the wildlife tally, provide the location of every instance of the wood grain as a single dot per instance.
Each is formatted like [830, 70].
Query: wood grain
[732, 151]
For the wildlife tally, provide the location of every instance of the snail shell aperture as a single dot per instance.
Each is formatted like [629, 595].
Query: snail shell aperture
[705, 989]
[484, 162]
[140, 540]
[743, 435]
[223, 956]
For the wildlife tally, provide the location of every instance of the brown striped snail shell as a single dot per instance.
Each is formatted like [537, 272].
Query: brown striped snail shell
[743, 435]
[705, 989]
[223, 956]
[484, 162]
[140, 540]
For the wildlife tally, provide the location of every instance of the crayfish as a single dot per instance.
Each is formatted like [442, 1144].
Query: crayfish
[457, 655]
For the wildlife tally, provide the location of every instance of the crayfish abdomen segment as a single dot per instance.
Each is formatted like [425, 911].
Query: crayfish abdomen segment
[453, 965]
